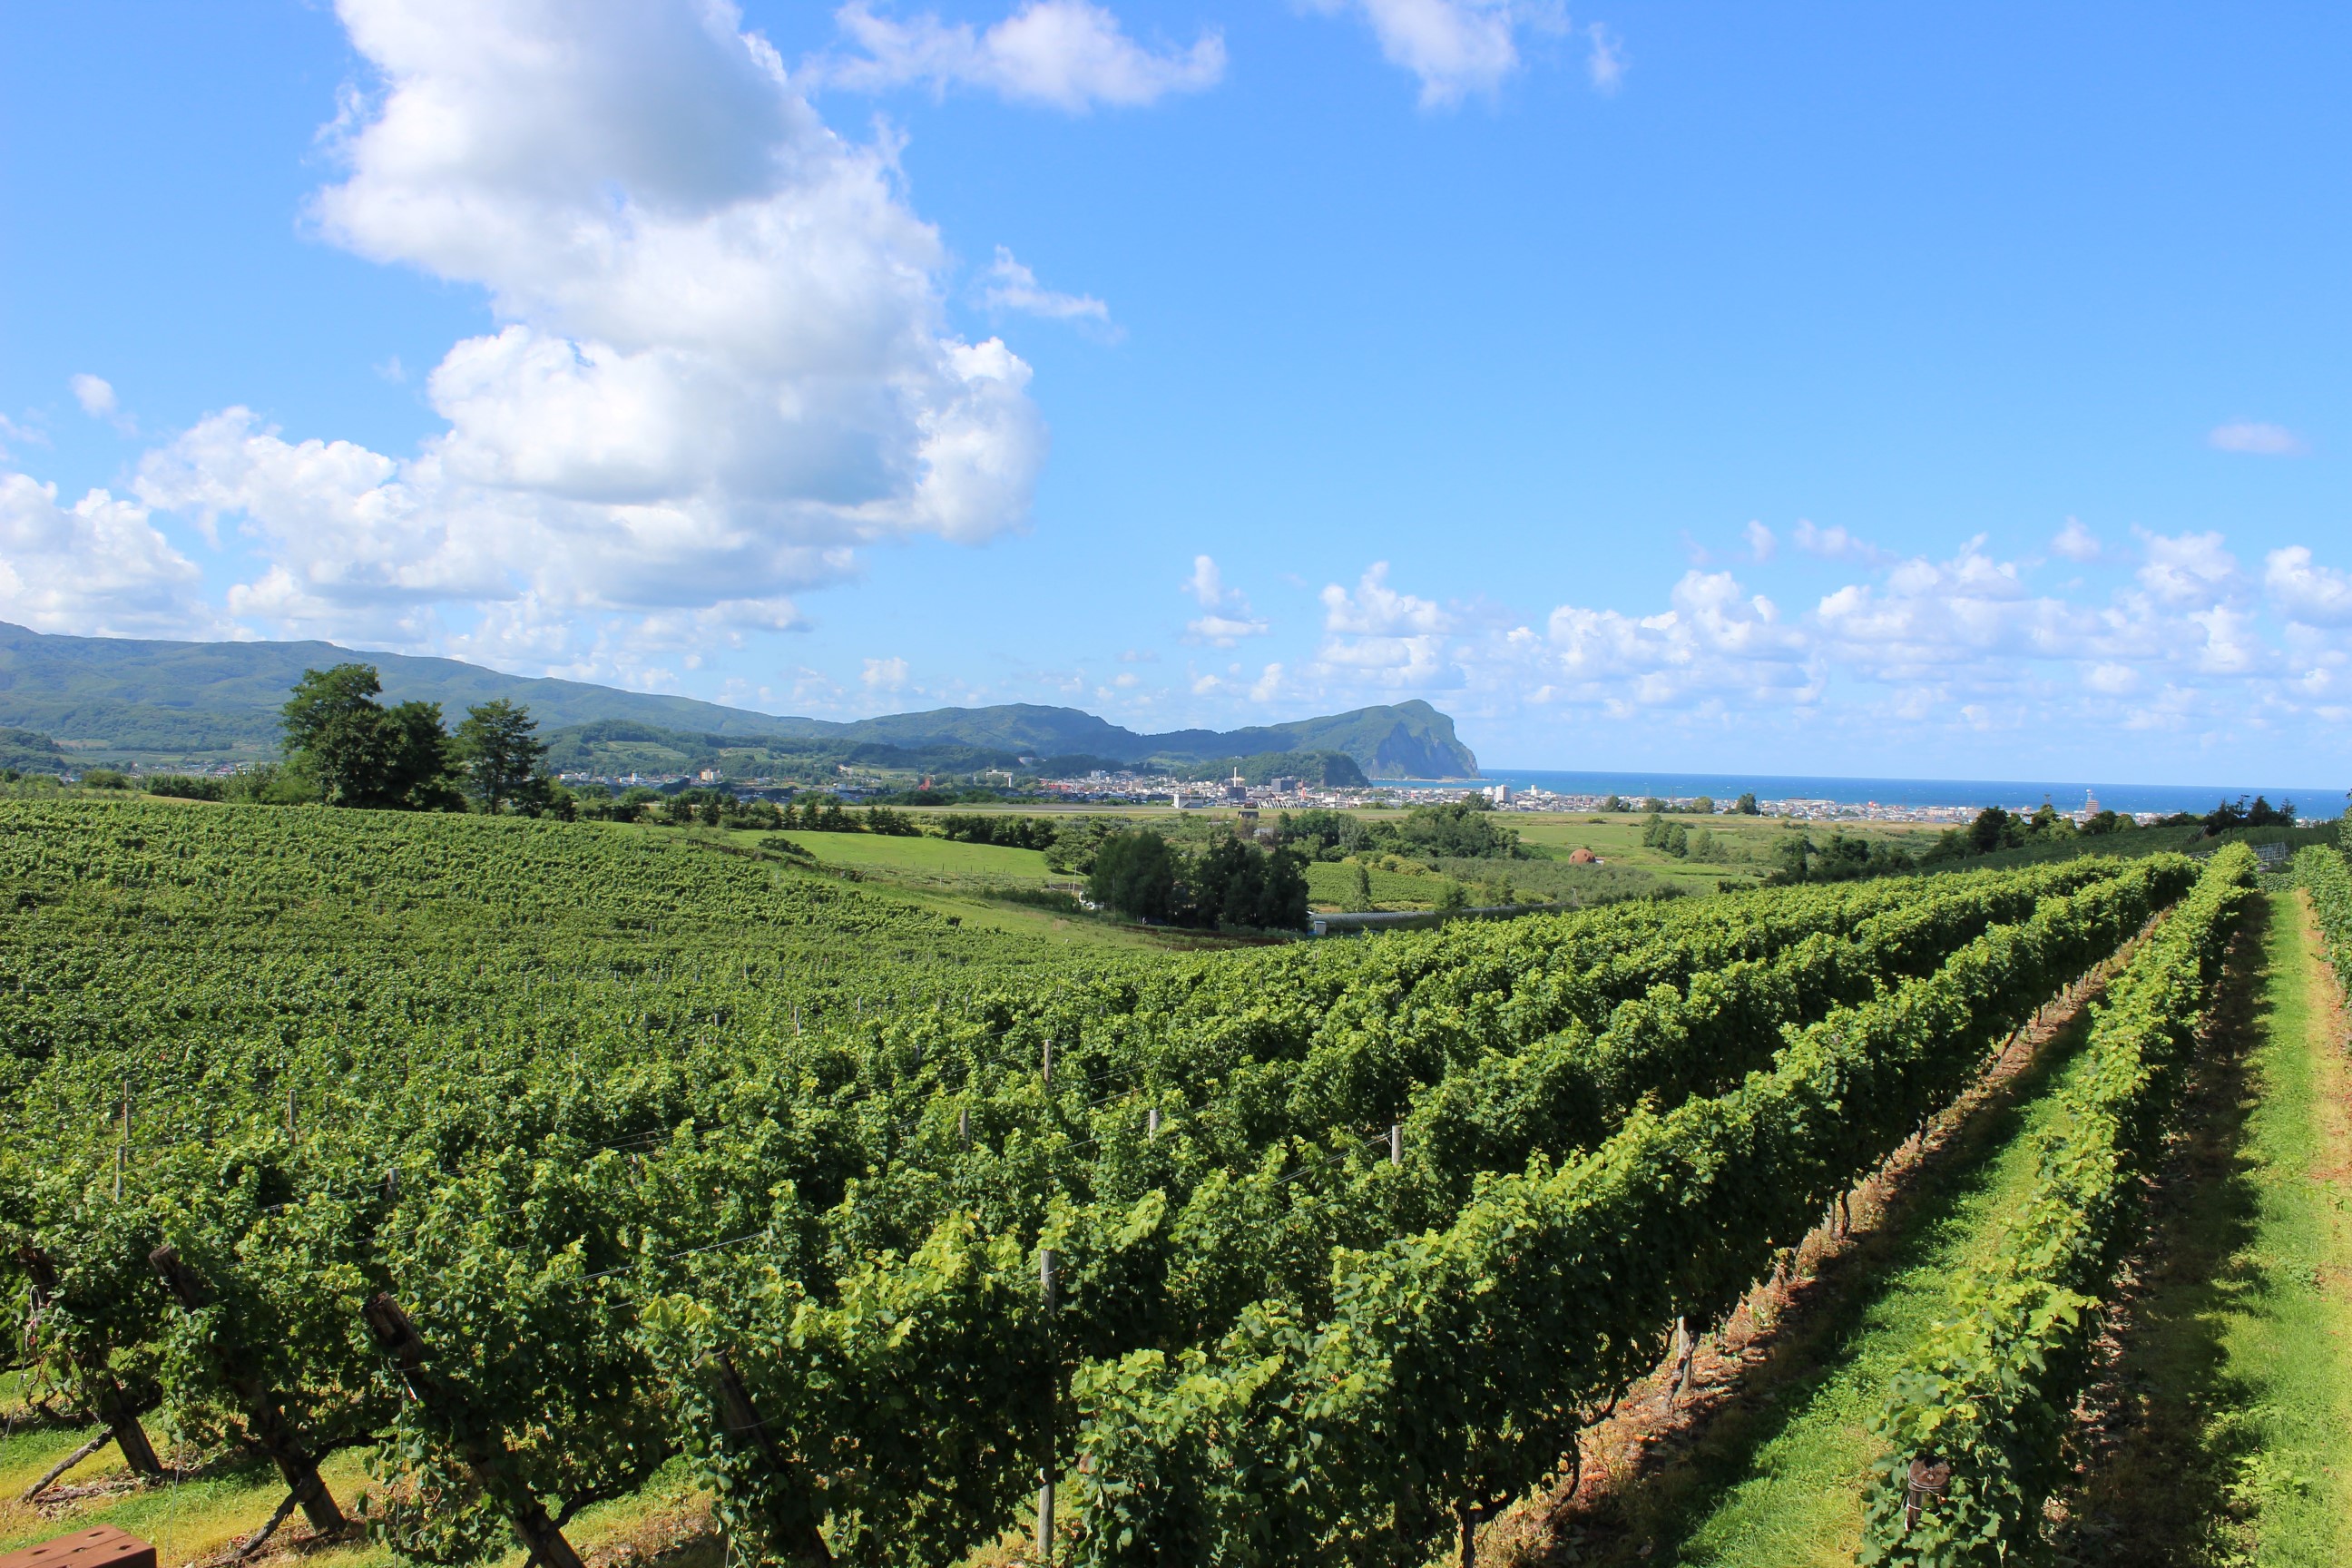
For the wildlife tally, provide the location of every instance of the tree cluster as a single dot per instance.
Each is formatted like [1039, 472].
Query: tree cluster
[1232, 882]
[1009, 832]
[345, 748]
[1464, 830]
[1683, 843]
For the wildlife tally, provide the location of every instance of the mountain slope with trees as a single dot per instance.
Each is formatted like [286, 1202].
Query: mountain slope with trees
[112, 696]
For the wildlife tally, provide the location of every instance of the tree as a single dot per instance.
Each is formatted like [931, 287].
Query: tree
[1363, 886]
[353, 750]
[420, 762]
[1453, 898]
[1990, 831]
[1745, 805]
[502, 749]
[334, 731]
[1135, 873]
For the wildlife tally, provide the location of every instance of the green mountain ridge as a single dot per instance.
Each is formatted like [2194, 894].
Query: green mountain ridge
[107, 697]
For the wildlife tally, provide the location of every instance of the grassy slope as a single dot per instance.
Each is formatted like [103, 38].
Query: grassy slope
[1783, 1488]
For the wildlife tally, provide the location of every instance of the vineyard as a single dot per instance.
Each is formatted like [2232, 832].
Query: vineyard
[540, 1162]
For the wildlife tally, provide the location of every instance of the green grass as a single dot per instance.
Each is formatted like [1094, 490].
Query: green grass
[2285, 1343]
[1331, 884]
[2242, 1459]
[1778, 1481]
[2232, 1394]
[933, 860]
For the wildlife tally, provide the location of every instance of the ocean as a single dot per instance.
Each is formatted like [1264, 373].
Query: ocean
[2014, 794]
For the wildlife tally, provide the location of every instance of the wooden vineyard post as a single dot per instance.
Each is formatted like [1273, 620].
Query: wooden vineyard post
[1151, 1124]
[483, 1450]
[740, 1420]
[1045, 1288]
[265, 1418]
[1396, 1142]
[99, 1391]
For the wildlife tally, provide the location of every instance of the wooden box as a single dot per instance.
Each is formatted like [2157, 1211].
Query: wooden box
[104, 1547]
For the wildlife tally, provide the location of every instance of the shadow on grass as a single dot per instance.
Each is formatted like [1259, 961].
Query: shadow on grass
[2153, 1466]
[1824, 1331]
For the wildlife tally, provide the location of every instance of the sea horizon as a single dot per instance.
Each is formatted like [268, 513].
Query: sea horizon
[2314, 803]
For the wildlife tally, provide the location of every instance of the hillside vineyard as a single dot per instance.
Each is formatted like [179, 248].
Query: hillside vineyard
[536, 1157]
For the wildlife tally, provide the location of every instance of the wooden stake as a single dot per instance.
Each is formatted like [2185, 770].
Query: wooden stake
[100, 1393]
[265, 1414]
[105, 1435]
[1396, 1142]
[1047, 1292]
[484, 1451]
[740, 1420]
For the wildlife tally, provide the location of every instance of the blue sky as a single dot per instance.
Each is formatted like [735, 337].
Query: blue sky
[1810, 388]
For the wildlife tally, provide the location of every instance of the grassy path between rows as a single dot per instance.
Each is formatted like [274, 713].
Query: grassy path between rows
[1782, 1488]
[2227, 1414]
[2221, 1432]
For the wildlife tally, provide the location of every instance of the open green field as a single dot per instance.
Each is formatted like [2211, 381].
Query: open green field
[921, 861]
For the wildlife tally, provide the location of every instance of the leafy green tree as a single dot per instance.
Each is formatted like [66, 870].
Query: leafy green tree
[420, 763]
[1135, 873]
[1453, 898]
[334, 730]
[500, 745]
[350, 749]
[1745, 805]
[1789, 857]
[1993, 829]
[1363, 887]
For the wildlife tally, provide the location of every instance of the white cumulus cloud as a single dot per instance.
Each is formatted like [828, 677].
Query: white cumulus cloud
[2075, 542]
[2308, 592]
[1228, 619]
[94, 392]
[721, 363]
[1377, 633]
[1066, 53]
[99, 566]
[1461, 47]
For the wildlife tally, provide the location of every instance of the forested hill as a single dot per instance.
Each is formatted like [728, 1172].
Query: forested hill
[124, 695]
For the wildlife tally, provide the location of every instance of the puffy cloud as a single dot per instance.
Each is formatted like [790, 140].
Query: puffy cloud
[1762, 543]
[1217, 628]
[2188, 568]
[97, 566]
[2312, 593]
[1714, 641]
[1375, 609]
[723, 365]
[1459, 48]
[2252, 438]
[1066, 53]
[1013, 287]
[95, 393]
[885, 674]
[1389, 638]
[2075, 542]
[1835, 543]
